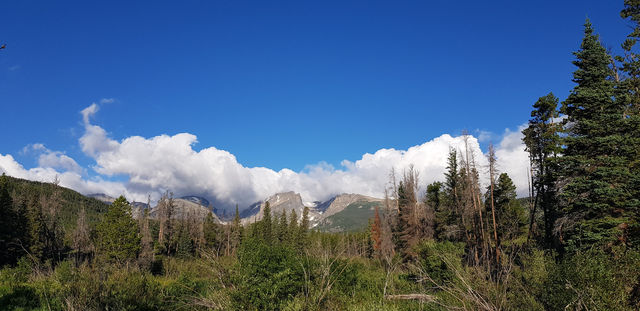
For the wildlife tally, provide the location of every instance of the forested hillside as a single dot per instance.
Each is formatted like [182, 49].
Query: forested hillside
[574, 244]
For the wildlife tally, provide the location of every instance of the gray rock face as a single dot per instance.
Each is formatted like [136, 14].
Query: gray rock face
[196, 199]
[286, 201]
[253, 210]
[340, 202]
[183, 209]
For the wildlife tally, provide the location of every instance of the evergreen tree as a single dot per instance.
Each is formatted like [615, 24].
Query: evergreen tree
[283, 227]
[211, 232]
[293, 227]
[117, 233]
[184, 243]
[542, 141]
[433, 200]
[236, 232]
[629, 95]
[8, 217]
[45, 233]
[449, 217]
[510, 214]
[595, 163]
[401, 224]
[303, 235]
[414, 221]
[266, 225]
[37, 230]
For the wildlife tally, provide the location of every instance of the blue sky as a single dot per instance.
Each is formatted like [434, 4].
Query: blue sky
[285, 84]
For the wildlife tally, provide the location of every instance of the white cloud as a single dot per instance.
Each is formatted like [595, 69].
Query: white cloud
[56, 159]
[69, 179]
[513, 159]
[165, 162]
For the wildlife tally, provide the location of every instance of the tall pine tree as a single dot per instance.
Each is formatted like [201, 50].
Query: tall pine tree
[595, 166]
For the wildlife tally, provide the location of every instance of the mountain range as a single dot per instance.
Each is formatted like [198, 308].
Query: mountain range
[344, 212]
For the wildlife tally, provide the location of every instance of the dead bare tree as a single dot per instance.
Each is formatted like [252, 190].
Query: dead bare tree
[492, 173]
[165, 213]
[146, 248]
[81, 241]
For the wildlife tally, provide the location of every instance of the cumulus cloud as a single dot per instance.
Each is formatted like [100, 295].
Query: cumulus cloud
[153, 165]
[513, 159]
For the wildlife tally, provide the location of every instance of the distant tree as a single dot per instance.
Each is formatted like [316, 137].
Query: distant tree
[294, 229]
[212, 234]
[283, 227]
[304, 224]
[237, 232]
[117, 234]
[266, 224]
[37, 230]
[183, 243]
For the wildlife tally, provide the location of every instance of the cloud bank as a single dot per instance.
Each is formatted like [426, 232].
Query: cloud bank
[153, 165]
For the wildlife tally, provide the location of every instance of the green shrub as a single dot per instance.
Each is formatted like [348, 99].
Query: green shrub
[593, 279]
[436, 259]
[15, 292]
[268, 276]
[128, 289]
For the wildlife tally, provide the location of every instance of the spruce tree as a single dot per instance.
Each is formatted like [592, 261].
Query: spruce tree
[184, 243]
[594, 164]
[211, 233]
[303, 235]
[237, 231]
[293, 227]
[283, 227]
[433, 200]
[449, 218]
[401, 224]
[629, 94]
[266, 225]
[117, 233]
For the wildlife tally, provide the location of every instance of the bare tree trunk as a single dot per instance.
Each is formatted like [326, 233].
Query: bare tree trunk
[492, 171]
